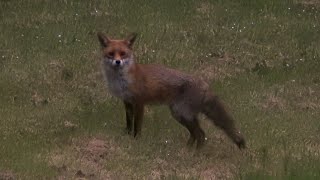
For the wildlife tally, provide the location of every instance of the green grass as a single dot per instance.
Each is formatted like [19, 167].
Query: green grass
[261, 57]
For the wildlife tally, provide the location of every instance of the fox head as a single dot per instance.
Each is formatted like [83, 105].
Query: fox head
[117, 53]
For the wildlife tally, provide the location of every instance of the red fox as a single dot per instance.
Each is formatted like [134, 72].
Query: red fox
[140, 84]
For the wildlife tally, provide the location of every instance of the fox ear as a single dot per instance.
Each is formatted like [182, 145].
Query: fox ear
[131, 38]
[103, 39]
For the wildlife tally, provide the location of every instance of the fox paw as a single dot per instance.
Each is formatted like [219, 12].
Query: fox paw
[241, 143]
[127, 131]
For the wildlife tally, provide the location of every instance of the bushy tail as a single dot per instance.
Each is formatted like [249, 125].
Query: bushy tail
[215, 110]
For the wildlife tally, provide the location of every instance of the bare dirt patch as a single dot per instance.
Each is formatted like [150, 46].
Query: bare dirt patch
[216, 172]
[102, 158]
[84, 158]
[7, 175]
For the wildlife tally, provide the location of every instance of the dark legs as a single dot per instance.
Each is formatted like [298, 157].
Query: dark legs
[134, 118]
[134, 112]
[192, 124]
[129, 116]
[138, 117]
[196, 133]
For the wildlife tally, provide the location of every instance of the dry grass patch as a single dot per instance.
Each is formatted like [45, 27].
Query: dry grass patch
[309, 2]
[205, 8]
[313, 148]
[224, 66]
[308, 105]
[272, 102]
[290, 95]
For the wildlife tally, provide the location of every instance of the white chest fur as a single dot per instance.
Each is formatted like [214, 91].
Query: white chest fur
[118, 83]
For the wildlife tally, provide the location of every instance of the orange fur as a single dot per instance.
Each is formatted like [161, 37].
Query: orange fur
[138, 85]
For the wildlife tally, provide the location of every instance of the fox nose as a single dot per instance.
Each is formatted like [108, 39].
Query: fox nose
[118, 62]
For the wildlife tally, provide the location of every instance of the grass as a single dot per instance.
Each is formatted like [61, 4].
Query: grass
[261, 57]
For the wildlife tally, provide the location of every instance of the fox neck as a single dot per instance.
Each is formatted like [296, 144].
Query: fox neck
[120, 78]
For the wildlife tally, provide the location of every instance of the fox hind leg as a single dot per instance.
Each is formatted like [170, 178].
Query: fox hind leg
[191, 123]
[196, 133]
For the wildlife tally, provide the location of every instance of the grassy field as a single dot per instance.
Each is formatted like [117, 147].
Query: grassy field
[57, 120]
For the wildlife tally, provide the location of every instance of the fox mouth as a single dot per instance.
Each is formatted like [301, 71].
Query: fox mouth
[116, 63]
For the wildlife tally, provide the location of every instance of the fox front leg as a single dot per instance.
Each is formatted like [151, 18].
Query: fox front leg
[129, 116]
[138, 118]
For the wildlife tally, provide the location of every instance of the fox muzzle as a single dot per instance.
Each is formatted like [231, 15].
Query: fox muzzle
[117, 63]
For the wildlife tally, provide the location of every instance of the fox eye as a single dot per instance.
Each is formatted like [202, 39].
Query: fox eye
[110, 54]
[122, 53]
